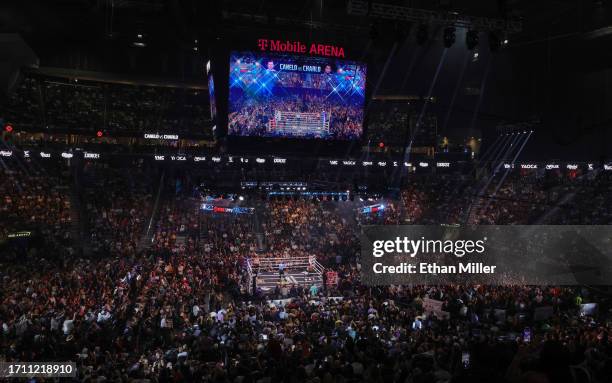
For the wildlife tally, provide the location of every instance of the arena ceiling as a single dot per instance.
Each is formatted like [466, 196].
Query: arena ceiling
[560, 60]
[182, 21]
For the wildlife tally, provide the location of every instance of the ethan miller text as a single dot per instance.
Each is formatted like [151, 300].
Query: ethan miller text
[434, 268]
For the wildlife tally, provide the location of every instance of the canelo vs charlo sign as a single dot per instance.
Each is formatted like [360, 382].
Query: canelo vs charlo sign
[271, 45]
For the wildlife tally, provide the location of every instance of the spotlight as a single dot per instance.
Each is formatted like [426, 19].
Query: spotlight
[241, 198]
[422, 34]
[449, 37]
[139, 41]
[195, 45]
[471, 39]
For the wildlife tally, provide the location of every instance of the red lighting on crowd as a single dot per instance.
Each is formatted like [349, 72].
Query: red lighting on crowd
[99, 133]
[381, 145]
[8, 128]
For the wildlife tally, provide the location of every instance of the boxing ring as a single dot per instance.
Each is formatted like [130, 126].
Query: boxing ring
[263, 273]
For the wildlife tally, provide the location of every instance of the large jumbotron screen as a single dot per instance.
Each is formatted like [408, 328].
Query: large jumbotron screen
[211, 93]
[276, 95]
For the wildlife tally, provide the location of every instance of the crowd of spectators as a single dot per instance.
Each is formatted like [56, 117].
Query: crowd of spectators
[248, 117]
[297, 228]
[42, 101]
[545, 199]
[116, 206]
[24, 105]
[180, 310]
[37, 202]
[86, 106]
[592, 193]
[389, 122]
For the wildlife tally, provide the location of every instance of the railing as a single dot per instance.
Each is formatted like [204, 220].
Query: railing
[292, 266]
[319, 267]
[289, 262]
